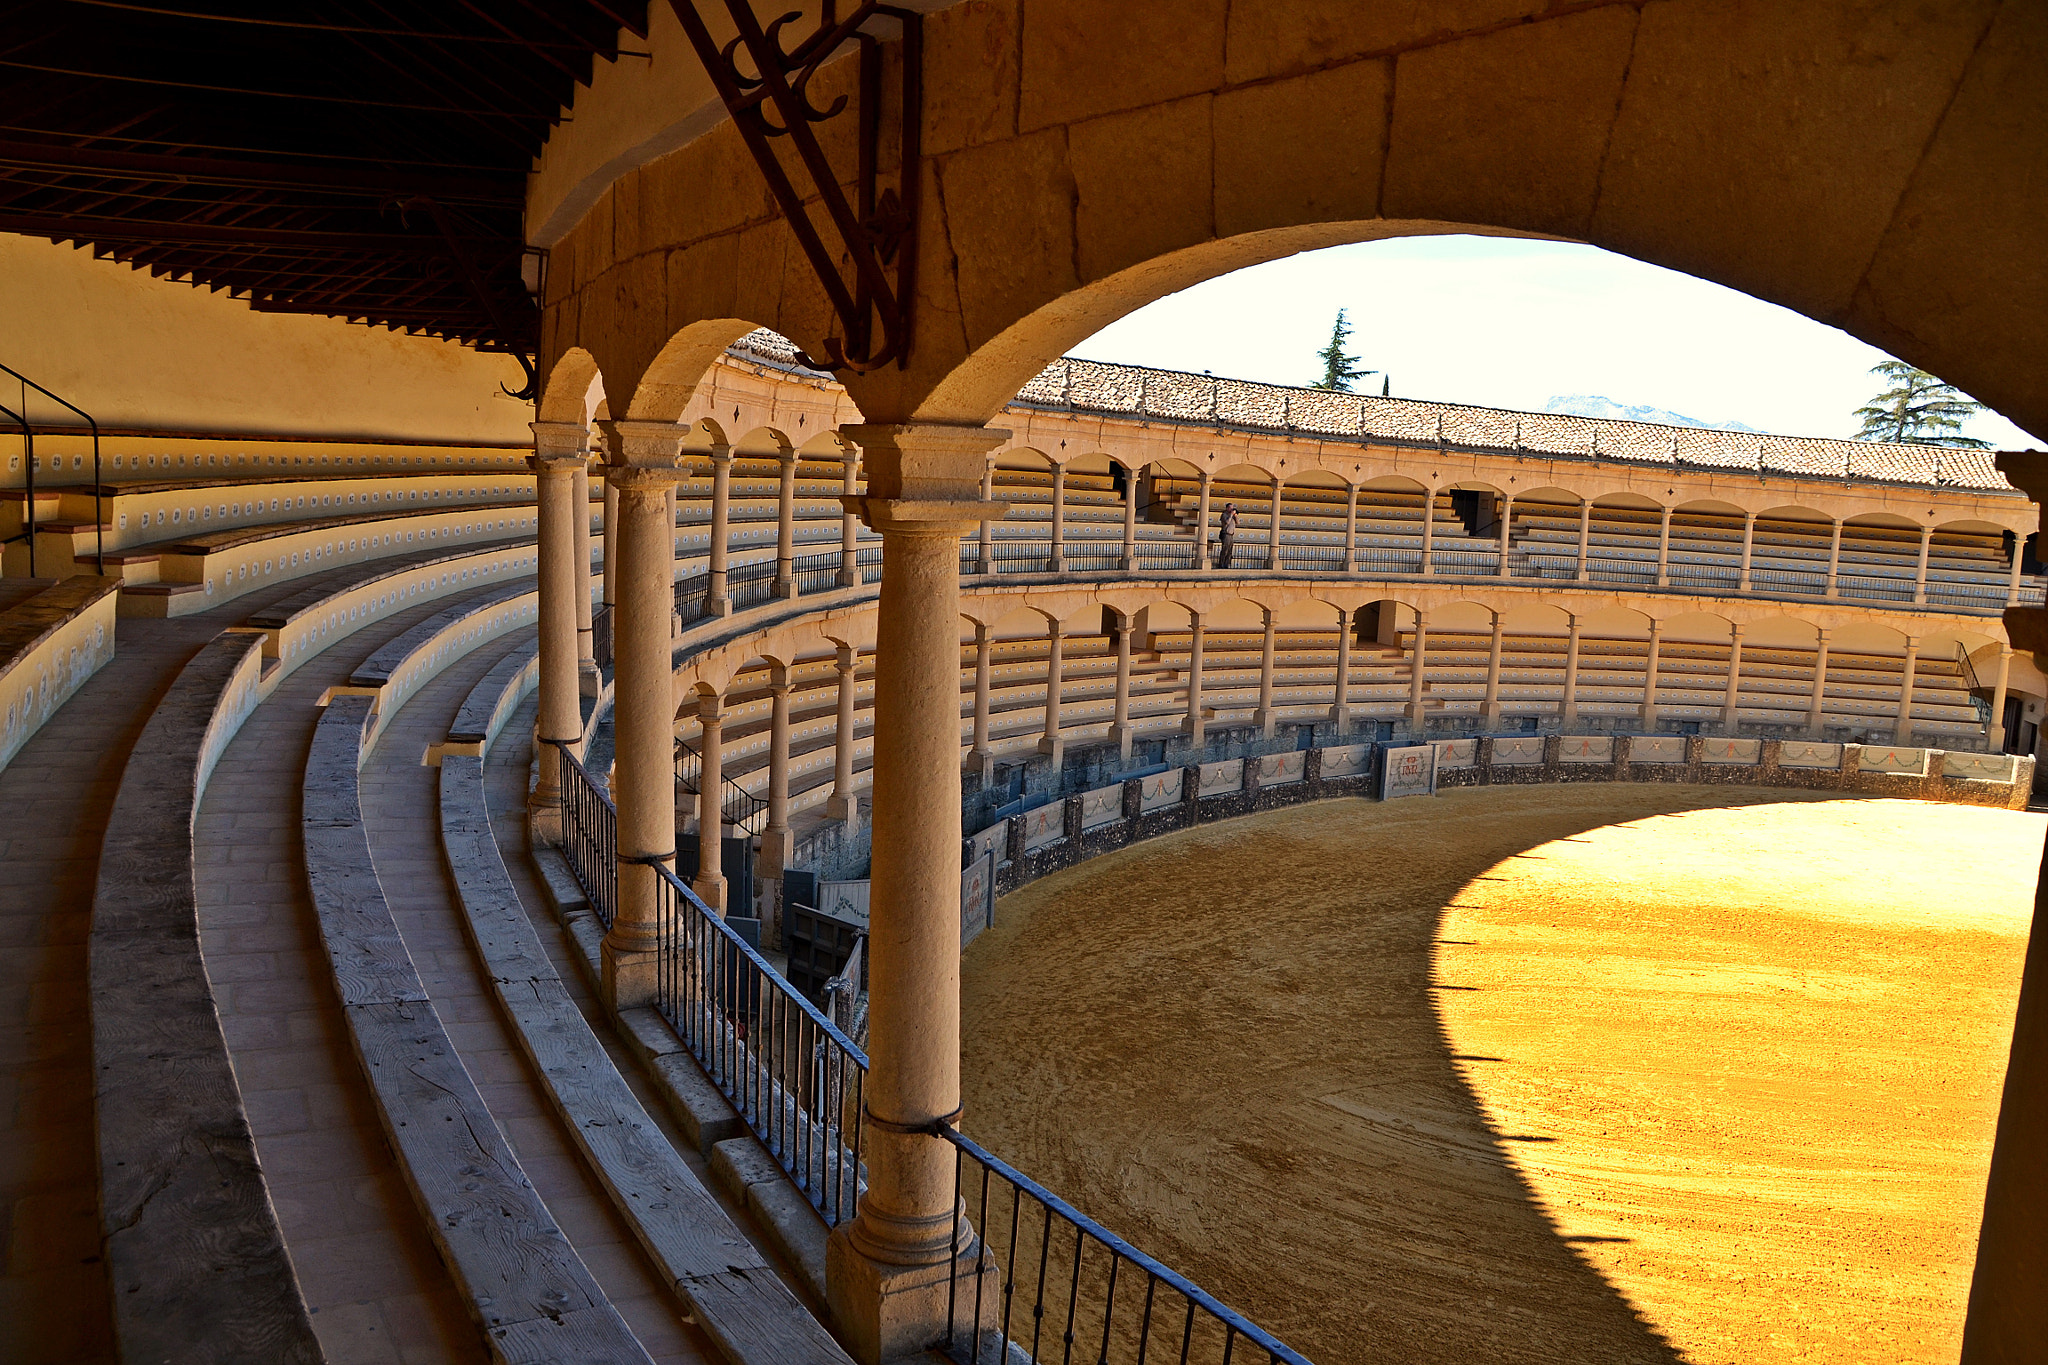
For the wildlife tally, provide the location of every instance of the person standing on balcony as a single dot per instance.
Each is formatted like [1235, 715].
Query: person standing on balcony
[1227, 535]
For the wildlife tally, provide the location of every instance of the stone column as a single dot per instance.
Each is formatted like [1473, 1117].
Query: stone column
[1507, 512]
[775, 838]
[1834, 588]
[559, 451]
[1815, 724]
[1920, 573]
[2019, 557]
[1649, 713]
[1489, 710]
[1351, 531]
[983, 760]
[588, 682]
[1202, 525]
[888, 1272]
[709, 883]
[1902, 733]
[1273, 535]
[1664, 550]
[1050, 742]
[1585, 541]
[1418, 663]
[1340, 697]
[1569, 712]
[1733, 697]
[1057, 561]
[1428, 530]
[644, 704]
[985, 561]
[718, 599]
[1198, 730]
[1120, 723]
[1129, 559]
[843, 804]
[1994, 733]
[849, 525]
[611, 540]
[1748, 549]
[785, 526]
[1264, 716]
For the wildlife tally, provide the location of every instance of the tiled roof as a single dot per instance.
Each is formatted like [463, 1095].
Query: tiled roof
[1175, 396]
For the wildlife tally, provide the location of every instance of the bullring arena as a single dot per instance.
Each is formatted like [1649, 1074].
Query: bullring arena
[700, 790]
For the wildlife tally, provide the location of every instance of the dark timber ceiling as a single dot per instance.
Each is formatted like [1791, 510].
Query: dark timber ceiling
[351, 158]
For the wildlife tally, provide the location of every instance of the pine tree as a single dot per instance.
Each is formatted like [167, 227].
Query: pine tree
[1387, 387]
[1339, 369]
[1918, 409]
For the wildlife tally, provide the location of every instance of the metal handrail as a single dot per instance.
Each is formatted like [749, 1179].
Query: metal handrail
[29, 470]
[739, 806]
[590, 834]
[28, 455]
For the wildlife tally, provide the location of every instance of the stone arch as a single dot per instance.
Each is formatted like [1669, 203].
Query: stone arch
[575, 388]
[670, 380]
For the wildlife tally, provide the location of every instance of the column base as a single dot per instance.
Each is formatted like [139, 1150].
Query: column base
[773, 855]
[1054, 745]
[845, 808]
[1265, 720]
[783, 587]
[887, 1313]
[544, 823]
[1647, 718]
[1056, 564]
[629, 976]
[1120, 735]
[1490, 712]
[710, 890]
[1995, 738]
[589, 682]
[1415, 712]
[849, 578]
[1340, 716]
[718, 606]
[982, 761]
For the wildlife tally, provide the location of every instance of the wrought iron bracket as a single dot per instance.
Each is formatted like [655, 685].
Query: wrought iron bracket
[766, 87]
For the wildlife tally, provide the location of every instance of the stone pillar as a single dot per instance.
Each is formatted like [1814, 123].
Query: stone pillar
[1129, 558]
[1507, 512]
[1585, 541]
[1056, 562]
[1198, 730]
[644, 704]
[1264, 716]
[559, 451]
[2019, 557]
[889, 1270]
[1351, 530]
[709, 883]
[1428, 530]
[1273, 534]
[1664, 550]
[1489, 710]
[1834, 587]
[1569, 712]
[1202, 525]
[785, 526]
[611, 541]
[717, 599]
[849, 525]
[588, 682]
[1733, 695]
[1920, 573]
[1340, 696]
[1815, 724]
[1748, 549]
[843, 804]
[1902, 733]
[1120, 723]
[985, 561]
[776, 843]
[1649, 713]
[1994, 732]
[1050, 742]
[983, 760]
[1417, 667]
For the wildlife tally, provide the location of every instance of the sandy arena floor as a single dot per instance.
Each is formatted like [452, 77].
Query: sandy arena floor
[1545, 1074]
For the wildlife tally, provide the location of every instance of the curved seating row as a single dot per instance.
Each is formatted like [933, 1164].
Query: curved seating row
[53, 636]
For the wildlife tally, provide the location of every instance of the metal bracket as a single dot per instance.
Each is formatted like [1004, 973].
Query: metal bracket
[877, 233]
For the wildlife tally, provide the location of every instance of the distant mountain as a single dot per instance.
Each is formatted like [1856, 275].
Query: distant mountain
[1593, 405]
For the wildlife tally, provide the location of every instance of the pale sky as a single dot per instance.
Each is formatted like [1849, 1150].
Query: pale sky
[1509, 323]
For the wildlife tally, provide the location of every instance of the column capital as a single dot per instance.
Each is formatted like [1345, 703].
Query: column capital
[643, 445]
[925, 476]
[559, 447]
[708, 708]
[720, 454]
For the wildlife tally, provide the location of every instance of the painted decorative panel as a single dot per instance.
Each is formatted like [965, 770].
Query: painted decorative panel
[1892, 758]
[993, 842]
[1512, 749]
[1981, 767]
[1586, 749]
[977, 898]
[1279, 770]
[1348, 760]
[1045, 824]
[1411, 771]
[1456, 753]
[1161, 790]
[1221, 779]
[1656, 749]
[1806, 753]
[846, 901]
[1103, 806]
[1721, 749]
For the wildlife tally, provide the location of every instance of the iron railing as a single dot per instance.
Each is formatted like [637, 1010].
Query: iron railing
[1040, 1266]
[590, 835]
[28, 468]
[741, 808]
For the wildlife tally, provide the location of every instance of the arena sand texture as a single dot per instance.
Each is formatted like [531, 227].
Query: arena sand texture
[1564, 1074]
